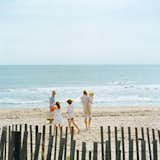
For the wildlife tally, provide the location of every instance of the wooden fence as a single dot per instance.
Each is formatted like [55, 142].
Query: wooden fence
[22, 142]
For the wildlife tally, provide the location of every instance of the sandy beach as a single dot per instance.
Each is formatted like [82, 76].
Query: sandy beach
[146, 117]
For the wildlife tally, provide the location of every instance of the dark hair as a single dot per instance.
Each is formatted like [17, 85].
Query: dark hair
[85, 92]
[69, 101]
[58, 105]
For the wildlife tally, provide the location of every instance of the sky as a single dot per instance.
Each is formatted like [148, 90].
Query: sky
[79, 32]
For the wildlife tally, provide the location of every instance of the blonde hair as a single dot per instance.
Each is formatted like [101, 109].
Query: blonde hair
[91, 94]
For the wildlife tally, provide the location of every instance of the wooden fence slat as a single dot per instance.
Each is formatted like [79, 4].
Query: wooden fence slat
[153, 134]
[77, 154]
[36, 133]
[31, 145]
[23, 154]
[95, 151]
[143, 149]
[142, 132]
[9, 142]
[37, 146]
[55, 144]
[65, 147]
[109, 140]
[137, 145]
[25, 127]
[131, 149]
[155, 155]
[115, 132]
[90, 155]
[149, 145]
[73, 145]
[107, 151]
[83, 151]
[62, 142]
[43, 142]
[118, 154]
[102, 142]
[50, 146]
[123, 143]
[159, 136]
[3, 142]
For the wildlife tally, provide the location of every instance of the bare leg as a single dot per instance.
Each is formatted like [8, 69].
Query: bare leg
[89, 122]
[69, 124]
[86, 122]
[76, 126]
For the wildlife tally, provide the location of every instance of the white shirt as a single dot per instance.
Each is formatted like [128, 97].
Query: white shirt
[84, 100]
[70, 111]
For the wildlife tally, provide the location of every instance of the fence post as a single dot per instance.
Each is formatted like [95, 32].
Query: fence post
[123, 144]
[65, 147]
[50, 145]
[102, 142]
[3, 143]
[43, 142]
[107, 151]
[118, 154]
[9, 142]
[143, 149]
[37, 146]
[90, 155]
[55, 144]
[155, 156]
[142, 132]
[71, 142]
[23, 155]
[72, 150]
[131, 149]
[62, 141]
[159, 135]
[77, 154]
[31, 149]
[115, 130]
[109, 140]
[137, 146]
[83, 150]
[95, 151]
[149, 145]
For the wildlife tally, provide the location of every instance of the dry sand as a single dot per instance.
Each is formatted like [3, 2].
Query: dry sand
[147, 117]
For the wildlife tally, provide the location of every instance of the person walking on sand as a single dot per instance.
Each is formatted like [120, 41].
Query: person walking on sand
[52, 103]
[58, 119]
[70, 114]
[89, 107]
[84, 100]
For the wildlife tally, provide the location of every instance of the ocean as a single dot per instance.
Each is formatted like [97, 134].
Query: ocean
[113, 85]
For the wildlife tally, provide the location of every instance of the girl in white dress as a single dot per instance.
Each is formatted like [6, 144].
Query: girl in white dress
[58, 119]
[70, 114]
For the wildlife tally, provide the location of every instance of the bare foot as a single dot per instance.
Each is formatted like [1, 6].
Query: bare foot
[78, 131]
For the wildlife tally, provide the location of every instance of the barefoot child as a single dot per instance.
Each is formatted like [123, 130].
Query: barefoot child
[58, 119]
[70, 114]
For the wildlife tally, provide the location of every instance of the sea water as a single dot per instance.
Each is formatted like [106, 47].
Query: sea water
[113, 85]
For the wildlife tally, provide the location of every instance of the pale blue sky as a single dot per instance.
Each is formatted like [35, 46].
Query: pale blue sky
[79, 32]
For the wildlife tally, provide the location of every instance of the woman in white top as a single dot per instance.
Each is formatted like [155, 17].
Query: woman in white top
[70, 114]
[89, 108]
[84, 100]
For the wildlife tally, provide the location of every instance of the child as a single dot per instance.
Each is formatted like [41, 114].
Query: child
[70, 114]
[58, 119]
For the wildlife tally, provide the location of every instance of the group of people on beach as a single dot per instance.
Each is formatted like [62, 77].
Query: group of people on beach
[55, 110]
